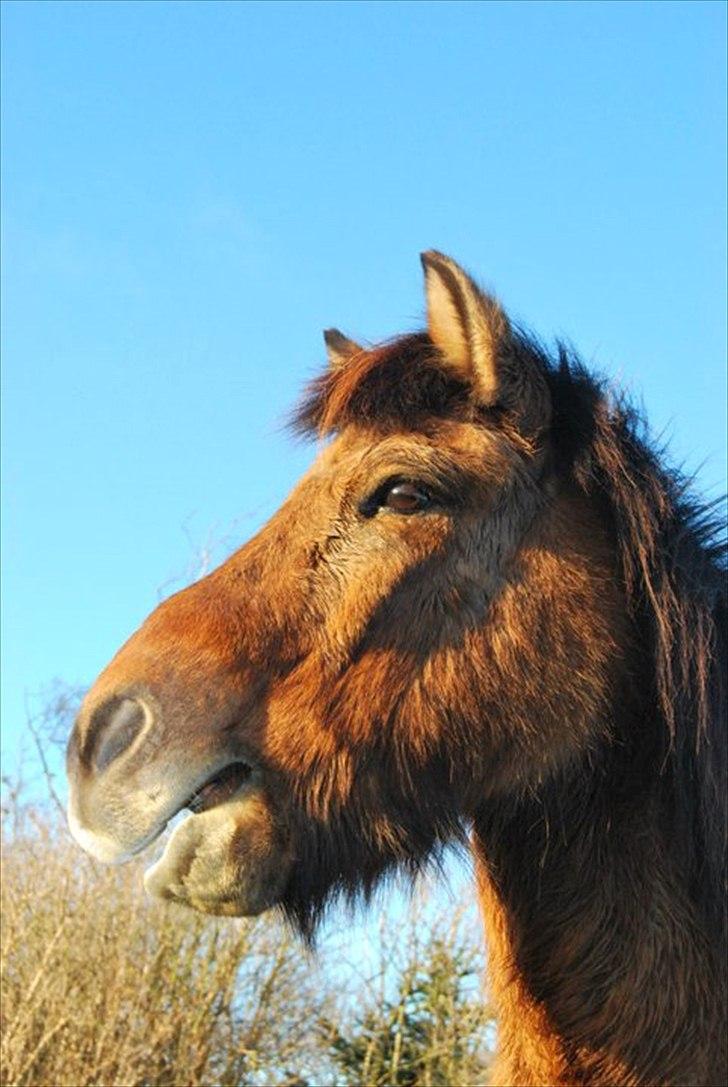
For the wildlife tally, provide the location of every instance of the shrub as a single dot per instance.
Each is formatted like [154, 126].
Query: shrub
[101, 986]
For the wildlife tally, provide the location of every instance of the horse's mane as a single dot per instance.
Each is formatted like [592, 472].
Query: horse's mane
[672, 553]
[671, 550]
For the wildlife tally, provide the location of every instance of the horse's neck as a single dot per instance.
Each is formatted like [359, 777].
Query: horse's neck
[596, 960]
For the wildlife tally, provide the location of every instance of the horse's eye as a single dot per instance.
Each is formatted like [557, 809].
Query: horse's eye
[405, 498]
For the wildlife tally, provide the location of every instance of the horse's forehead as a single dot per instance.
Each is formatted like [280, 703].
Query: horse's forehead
[358, 446]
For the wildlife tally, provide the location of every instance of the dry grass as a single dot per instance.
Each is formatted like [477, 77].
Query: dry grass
[102, 986]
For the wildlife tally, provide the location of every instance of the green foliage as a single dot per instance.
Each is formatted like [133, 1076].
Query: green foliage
[432, 1032]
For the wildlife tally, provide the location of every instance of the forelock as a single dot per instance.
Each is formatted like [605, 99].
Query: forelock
[397, 384]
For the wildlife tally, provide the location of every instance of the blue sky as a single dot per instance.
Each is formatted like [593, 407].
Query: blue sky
[192, 191]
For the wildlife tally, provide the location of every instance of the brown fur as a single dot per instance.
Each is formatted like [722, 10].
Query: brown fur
[536, 660]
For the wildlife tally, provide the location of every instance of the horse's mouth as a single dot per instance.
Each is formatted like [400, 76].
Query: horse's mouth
[218, 789]
[212, 791]
[225, 856]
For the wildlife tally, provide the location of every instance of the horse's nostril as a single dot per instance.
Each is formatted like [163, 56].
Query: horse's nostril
[114, 727]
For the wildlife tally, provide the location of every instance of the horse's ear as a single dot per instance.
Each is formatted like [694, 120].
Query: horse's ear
[339, 348]
[473, 335]
[467, 325]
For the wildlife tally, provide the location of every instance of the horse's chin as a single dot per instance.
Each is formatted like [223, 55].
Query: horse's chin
[227, 860]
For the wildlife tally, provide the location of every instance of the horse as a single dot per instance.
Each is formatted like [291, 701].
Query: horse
[489, 614]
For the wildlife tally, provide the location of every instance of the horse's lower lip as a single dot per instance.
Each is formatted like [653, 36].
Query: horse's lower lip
[217, 789]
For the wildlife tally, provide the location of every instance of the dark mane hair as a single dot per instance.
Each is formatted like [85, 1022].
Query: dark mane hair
[672, 553]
